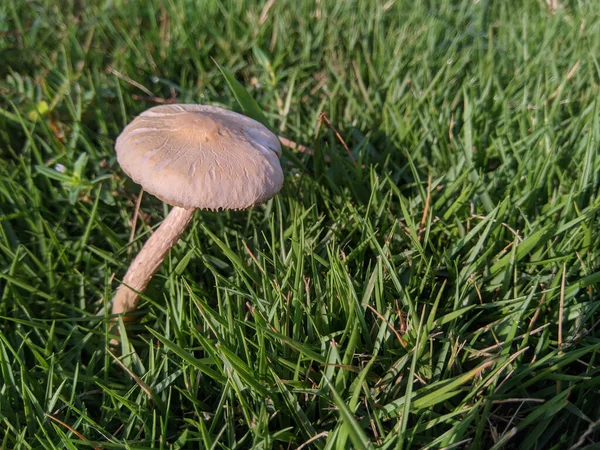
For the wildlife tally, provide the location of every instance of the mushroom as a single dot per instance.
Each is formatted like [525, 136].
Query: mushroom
[192, 156]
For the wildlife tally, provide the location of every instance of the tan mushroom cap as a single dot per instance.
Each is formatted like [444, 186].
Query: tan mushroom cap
[198, 156]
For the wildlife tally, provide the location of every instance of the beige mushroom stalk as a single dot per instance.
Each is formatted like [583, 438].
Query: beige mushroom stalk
[192, 156]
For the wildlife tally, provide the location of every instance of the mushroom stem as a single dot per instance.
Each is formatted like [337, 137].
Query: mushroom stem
[149, 260]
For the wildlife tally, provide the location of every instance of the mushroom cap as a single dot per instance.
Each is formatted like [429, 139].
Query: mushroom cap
[199, 156]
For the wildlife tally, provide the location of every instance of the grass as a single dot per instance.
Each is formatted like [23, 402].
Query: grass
[437, 288]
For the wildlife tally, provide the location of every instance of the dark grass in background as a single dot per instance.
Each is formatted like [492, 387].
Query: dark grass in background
[437, 289]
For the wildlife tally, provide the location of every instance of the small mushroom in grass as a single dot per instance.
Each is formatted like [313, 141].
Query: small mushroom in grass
[192, 156]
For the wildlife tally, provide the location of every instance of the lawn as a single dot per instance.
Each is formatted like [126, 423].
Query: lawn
[428, 277]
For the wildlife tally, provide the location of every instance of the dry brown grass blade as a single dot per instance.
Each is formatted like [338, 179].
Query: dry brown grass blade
[163, 101]
[128, 80]
[390, 326]
[135, 378]
[323, 117]
[75, 432]
[135, 218]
